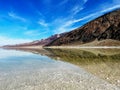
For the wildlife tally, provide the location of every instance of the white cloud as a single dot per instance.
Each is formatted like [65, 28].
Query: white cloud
[11, 41]
[32, 33]
[40, 14]
[35, 32]
[63, 29]
[85, 1]
[65, 24]
[78, 7]
[43, 23]
[91, 15]
[76, 10]
[61, 24]
[14, 16]
[110, 9]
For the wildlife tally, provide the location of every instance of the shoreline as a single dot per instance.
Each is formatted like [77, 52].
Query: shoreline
[25, 47]
[85, 47]
[64, 47]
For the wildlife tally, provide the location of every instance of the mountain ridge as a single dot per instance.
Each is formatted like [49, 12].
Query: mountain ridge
[102, 28]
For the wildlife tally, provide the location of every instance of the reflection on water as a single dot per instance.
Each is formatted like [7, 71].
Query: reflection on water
[104, 63]
[57, 69]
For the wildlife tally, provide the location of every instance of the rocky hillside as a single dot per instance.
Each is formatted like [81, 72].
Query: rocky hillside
[104, 27]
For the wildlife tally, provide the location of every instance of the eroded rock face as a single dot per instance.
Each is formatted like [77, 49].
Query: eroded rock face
[113, 32]
[104, 27]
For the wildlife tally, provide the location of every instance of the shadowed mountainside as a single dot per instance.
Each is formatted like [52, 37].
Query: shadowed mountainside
[102, 28]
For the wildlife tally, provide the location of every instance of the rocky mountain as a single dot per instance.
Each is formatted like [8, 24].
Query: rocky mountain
[102, 28]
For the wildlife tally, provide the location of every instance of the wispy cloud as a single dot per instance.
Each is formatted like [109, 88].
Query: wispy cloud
[11, 41]
[79, 6]
[63, 29]
[43, 23]
[63, 2]
[40, 14]
[65, 24]
[32, 33]
[35, 33]
[85, 1]
[68, 23]
[15, 16]
[110, 9]
[76, 9]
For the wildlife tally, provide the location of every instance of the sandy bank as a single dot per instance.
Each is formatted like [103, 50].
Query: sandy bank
[77, 47]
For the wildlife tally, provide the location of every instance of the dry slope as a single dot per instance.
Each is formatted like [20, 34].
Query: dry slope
[104, 27]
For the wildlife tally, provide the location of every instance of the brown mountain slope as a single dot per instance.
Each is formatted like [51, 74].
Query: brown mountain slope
[106, 42]
[104, 27]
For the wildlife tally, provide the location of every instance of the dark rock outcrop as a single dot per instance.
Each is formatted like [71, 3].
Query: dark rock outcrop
[104, 27]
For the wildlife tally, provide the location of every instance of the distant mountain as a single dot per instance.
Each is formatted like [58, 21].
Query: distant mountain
[41, 42]
[102, 28]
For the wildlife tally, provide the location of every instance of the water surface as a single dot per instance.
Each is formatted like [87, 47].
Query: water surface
[59, 69]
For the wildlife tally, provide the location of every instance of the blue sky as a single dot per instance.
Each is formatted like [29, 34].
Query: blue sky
[27, 20]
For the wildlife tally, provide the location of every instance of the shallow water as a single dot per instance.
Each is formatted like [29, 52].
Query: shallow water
[59, 69]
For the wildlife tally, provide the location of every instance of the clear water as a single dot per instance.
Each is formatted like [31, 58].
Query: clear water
[59, 69]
